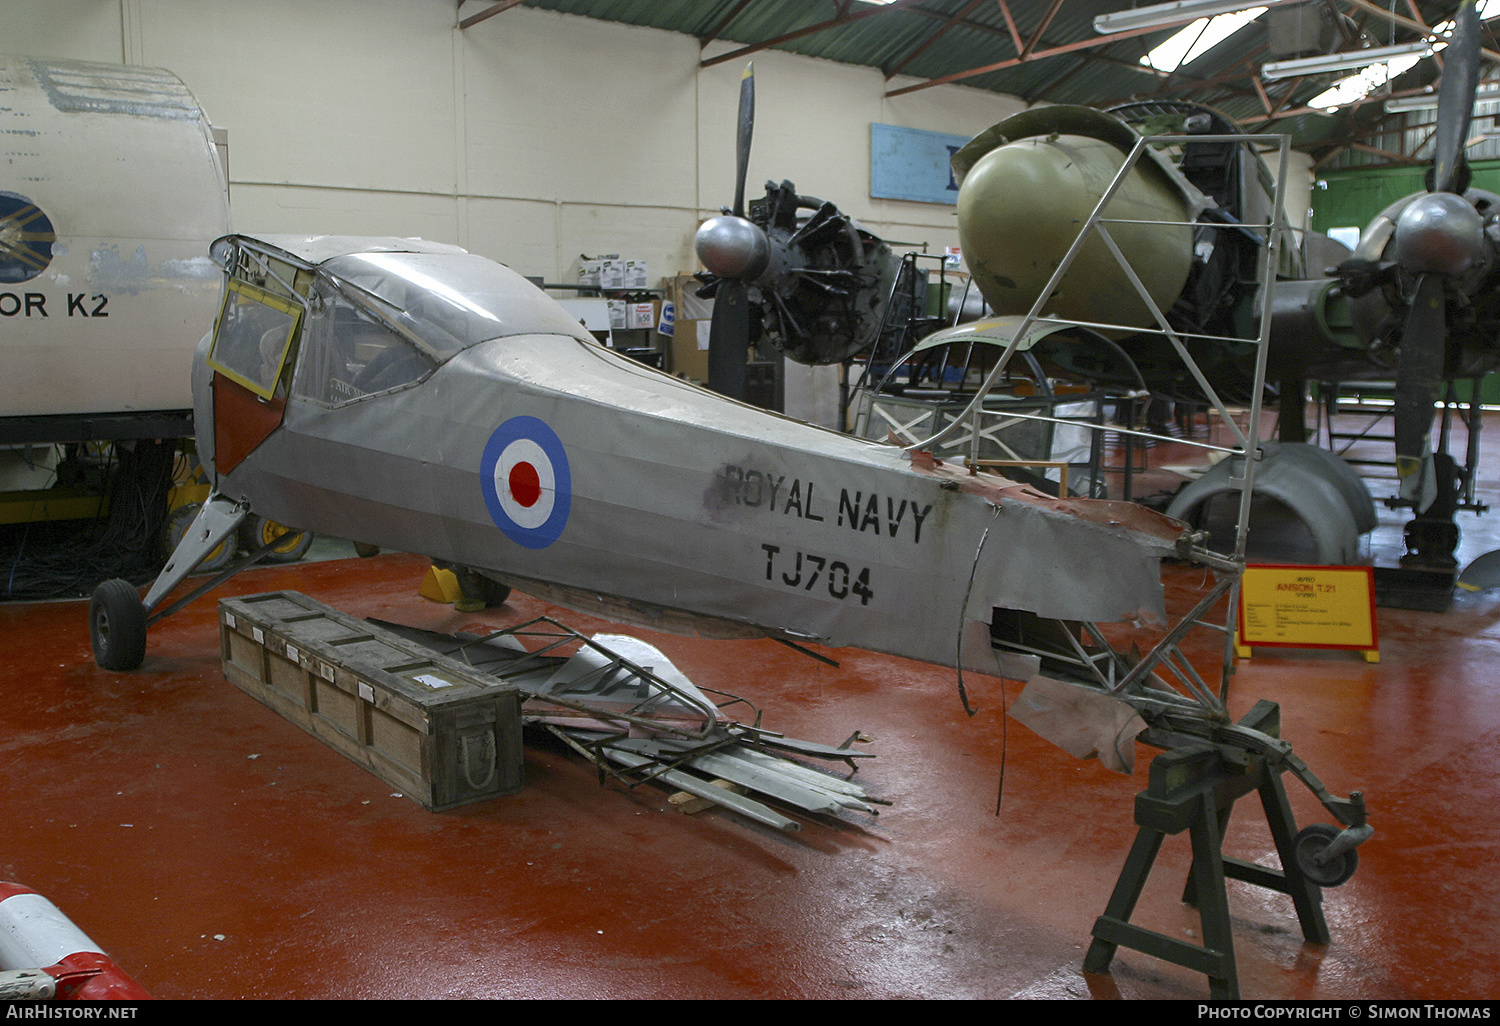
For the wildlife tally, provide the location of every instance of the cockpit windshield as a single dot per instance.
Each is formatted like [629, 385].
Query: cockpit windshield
[455, 300]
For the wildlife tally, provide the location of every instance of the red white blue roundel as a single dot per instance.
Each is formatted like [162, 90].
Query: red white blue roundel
[527, 486]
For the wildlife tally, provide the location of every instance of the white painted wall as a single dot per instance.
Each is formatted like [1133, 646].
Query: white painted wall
[531, 138]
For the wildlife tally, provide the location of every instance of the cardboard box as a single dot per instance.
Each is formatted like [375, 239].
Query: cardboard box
[612, 273]
[691, 321]
[643, 315]
[440, 732]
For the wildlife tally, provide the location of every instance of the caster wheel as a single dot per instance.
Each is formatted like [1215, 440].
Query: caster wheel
[258, 531]
[177, 525]
[1312, 841]
[117, 625]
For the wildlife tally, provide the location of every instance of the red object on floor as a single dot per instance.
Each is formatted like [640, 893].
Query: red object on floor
[35, 934]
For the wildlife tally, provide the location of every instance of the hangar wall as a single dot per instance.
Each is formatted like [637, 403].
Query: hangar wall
[531, 137]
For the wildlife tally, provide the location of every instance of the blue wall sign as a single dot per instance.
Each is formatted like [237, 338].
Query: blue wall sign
[911, 164]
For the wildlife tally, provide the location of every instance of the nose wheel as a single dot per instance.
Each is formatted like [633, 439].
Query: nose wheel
[117, 625]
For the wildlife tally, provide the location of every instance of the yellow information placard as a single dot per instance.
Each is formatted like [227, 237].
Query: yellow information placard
[1289, 606]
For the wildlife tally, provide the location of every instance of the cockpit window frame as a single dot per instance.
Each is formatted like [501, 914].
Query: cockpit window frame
[233, 287]
[315, 380]
[385, 313]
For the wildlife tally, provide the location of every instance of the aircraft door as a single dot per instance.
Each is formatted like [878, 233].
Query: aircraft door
[254, 340]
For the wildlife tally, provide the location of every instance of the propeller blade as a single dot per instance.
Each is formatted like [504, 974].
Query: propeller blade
[1419, 385]
[729, 339]
[1456, 101]
[742, 141]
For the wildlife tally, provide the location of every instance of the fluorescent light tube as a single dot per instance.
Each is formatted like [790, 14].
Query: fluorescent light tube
[1430, 102]
[1347, 61]
[1162, 15]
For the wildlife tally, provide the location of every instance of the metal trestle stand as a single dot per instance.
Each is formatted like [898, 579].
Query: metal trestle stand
[1194, 787]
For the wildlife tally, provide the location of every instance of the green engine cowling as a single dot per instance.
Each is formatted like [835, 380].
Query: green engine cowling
[1028, 184]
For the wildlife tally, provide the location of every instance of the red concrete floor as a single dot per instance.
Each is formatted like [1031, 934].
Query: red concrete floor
[217, 851]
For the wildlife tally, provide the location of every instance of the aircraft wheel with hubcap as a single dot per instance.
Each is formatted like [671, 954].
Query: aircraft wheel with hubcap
[1312, 841]
[117, 625]
[258, 531]
[177, 525]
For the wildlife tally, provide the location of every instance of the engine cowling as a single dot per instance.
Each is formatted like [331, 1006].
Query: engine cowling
[1028, 184]
[818, 282]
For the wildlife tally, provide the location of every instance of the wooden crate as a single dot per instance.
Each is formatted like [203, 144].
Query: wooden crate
[442, 733]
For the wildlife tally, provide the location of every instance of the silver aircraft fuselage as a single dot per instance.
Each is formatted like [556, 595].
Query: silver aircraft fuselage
[547, 461]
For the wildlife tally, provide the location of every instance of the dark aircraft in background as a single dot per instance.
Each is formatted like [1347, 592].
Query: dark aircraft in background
[1418, 302]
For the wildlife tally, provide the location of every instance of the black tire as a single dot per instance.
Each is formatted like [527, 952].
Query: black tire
[1312, 841]
[493, 591]
[257, 531]
[117, 625]
[477, 591]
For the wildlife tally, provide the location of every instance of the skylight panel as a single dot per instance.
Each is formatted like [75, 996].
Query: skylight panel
[1357, 87]
[1198, 38]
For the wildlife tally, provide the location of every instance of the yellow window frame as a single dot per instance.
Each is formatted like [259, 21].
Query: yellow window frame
[275, 302]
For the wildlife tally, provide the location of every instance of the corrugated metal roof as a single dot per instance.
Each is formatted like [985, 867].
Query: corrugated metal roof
[971, 42]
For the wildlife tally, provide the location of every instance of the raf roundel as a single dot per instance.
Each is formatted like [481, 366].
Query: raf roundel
[527, 485]
[26, 239]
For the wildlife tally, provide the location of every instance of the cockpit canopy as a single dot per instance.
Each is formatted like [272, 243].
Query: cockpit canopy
[455, 300]
[333, 320]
